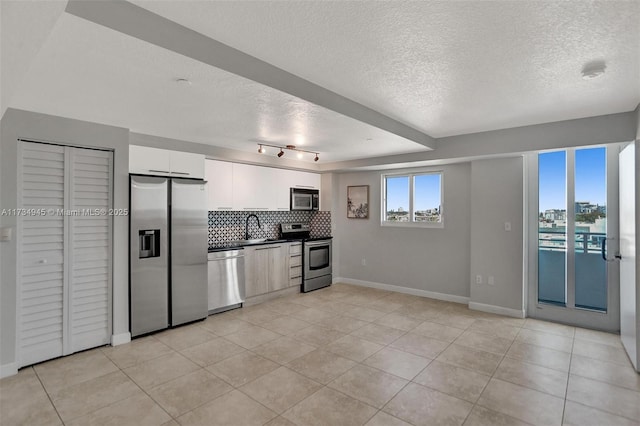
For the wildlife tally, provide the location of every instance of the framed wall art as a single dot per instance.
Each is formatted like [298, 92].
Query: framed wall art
[358, 202]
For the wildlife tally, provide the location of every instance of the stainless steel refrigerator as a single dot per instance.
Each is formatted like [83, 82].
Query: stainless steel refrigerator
[168, 252]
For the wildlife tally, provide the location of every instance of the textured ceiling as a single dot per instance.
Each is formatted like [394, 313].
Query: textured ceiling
[92, 73]
[442, 67]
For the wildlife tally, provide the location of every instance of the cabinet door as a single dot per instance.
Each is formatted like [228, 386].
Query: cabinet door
[187, 164]
[282, 182]
[252, 188]
[306, 180]
[219, 176]
[278, 267]
[256, 270]
[149, 161]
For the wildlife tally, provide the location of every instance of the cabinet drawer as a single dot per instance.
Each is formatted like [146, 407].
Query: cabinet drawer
[295, 281]
[296, 271]
[295, 248]
[296, 261]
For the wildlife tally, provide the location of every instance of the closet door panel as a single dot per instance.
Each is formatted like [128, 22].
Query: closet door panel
[90, 248]
[41, 260]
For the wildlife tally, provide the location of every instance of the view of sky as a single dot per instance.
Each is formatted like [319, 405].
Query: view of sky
[590, 178]
[427, 189]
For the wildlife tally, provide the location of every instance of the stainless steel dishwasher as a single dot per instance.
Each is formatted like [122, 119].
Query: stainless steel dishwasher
[226, 280]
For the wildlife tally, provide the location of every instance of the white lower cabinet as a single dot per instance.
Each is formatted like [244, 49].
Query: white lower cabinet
[64, 261]
[266, 268]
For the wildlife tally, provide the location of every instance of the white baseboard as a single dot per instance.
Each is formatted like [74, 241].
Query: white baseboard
[7, 370]
[120, 339]
[406, 290]
[493, 309]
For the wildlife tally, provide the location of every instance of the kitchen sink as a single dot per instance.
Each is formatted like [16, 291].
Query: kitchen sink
[239, 243]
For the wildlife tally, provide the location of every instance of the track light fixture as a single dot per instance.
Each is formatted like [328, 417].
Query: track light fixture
[261, 150]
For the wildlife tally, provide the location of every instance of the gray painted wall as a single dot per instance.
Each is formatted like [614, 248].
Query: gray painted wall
[428, 259]
[496, 198]
[39, 127]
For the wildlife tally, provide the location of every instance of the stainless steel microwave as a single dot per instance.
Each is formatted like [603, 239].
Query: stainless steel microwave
[304, 199]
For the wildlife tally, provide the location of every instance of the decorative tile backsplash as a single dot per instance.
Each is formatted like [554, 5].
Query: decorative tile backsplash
[225, 226]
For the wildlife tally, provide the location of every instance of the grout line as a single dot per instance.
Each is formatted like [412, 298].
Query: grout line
[146, 393]
[48, 396]
[566, 389]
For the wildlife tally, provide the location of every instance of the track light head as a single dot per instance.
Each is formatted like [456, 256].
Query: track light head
[299, 152]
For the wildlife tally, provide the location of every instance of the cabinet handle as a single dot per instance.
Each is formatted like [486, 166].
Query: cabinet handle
[224, 208]
[255, 208]
[181, 173]
[159, 171]
[305, 186]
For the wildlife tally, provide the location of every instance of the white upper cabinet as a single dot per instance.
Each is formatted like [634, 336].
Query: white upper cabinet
[149, 161]
[283, 180]
[187, 164]
[164, 162]
[243, 187]
[306, 180]
[219, 177]
[253, 187]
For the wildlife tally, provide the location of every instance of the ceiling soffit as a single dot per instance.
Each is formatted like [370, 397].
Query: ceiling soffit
[142, 24]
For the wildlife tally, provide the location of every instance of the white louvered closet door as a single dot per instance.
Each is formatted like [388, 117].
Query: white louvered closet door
[41, 292]
[89, 249]
[64, 287]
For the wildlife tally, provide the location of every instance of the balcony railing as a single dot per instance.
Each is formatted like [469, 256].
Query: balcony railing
[585, 242]
[590, 269]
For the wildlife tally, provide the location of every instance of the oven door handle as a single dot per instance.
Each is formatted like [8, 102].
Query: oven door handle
[317, 243]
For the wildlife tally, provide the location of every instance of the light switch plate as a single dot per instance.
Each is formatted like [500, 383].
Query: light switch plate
[6, 233]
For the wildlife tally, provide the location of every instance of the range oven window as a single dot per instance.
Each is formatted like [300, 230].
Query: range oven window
[318, 257]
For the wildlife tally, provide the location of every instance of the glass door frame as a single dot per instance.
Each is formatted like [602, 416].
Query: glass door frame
[569, 314]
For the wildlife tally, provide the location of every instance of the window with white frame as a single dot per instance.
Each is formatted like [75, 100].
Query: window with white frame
[412, 199]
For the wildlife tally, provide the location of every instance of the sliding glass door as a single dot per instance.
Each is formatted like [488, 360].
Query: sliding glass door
[572, 276]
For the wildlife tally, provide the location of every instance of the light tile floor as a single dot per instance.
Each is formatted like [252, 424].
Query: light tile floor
[345, 355]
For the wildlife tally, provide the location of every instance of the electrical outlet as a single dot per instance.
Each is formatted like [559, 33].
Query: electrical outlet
[364, 262]
[478, 279]
[491, 280]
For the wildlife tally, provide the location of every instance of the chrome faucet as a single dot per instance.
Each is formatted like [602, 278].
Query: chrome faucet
[246, 226]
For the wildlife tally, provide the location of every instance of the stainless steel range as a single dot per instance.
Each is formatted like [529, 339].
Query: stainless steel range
[316, 259]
